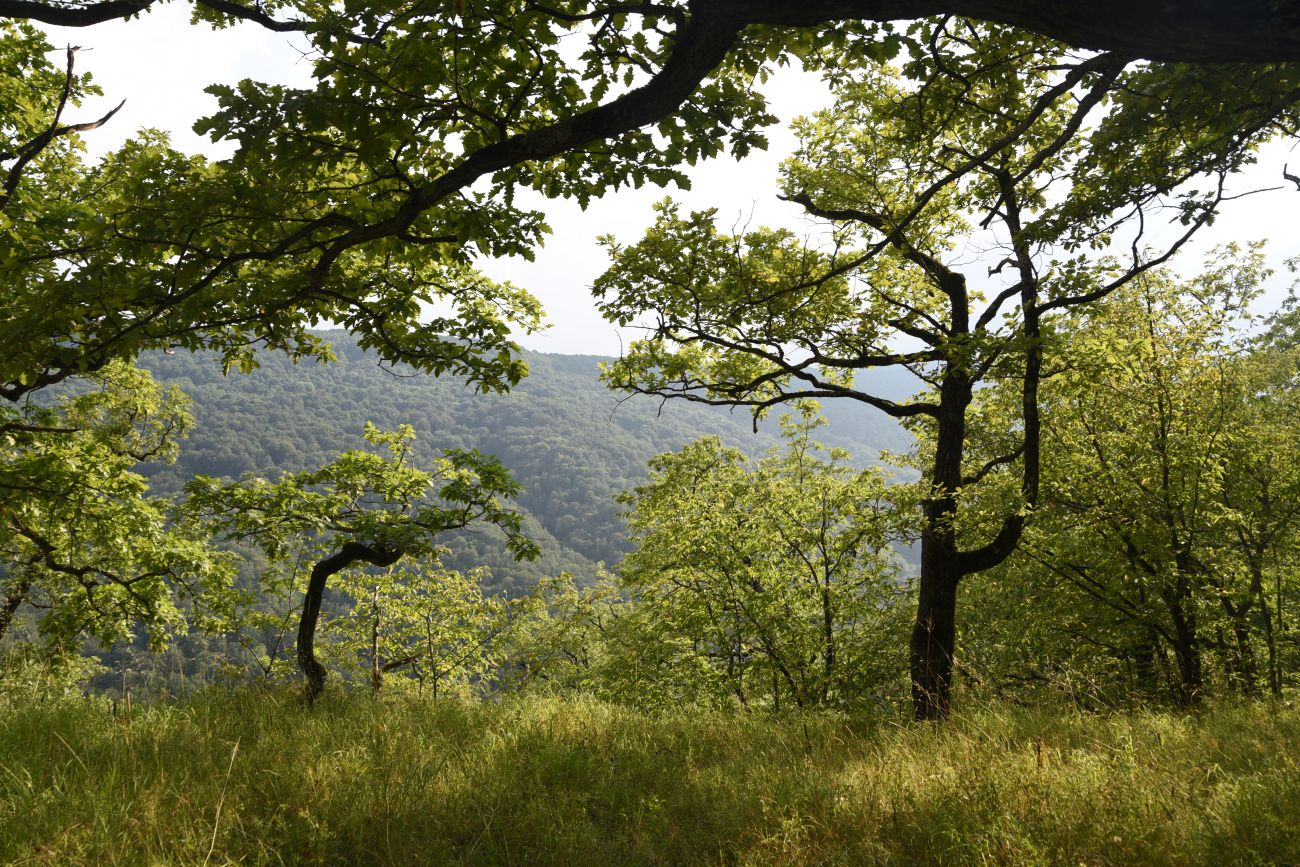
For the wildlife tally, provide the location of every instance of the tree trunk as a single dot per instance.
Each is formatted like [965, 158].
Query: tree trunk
[1187, 653]
[934, 634]
[828, 641]
[1270, 641]
[1259, 601]
[13, 601]
[376, 671]
[1242, 667]
[351, 552]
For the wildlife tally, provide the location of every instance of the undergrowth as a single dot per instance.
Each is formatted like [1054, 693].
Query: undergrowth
[254, 777]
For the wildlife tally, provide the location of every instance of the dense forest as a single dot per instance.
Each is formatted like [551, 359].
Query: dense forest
[955, 519]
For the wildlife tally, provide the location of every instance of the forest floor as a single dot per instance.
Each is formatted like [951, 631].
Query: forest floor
[253, 777]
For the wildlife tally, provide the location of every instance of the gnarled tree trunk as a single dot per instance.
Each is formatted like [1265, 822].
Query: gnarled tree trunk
[351, 552]
[943, 564]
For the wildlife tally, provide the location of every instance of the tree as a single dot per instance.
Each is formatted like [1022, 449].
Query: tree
[1170, 500]
[364, 198]
[363, 508]
[772, 580]
[350, 202]
[155, 249]
[566, 637]
[1262, 492]
[974, 142]
[80, 539]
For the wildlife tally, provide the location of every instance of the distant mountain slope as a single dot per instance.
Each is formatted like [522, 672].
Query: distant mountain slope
[571, 443]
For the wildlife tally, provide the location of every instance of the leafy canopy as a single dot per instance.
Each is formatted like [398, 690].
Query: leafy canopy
[81, 539]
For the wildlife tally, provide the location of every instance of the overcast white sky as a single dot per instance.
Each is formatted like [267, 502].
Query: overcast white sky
[160, 64]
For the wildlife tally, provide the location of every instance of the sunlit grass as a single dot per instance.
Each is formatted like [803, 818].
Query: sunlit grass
[255, 777]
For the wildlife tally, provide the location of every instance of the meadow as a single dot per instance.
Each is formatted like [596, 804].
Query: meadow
[255, 777]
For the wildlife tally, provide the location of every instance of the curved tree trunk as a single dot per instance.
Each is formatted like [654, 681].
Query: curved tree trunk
[351, 552]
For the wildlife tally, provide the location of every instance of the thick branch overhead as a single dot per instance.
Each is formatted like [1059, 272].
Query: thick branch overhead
[1195, 31]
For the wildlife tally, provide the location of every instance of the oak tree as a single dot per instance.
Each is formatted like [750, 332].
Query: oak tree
[365, 508]
[968, 193]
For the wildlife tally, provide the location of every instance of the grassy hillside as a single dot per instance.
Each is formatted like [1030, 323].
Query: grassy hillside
[571, 443]
[255, 778]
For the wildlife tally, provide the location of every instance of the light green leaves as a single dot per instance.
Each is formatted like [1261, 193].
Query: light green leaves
[773, 580]
[381, 498]
[80, 536]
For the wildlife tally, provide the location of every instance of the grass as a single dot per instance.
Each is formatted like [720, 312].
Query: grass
[256, 778]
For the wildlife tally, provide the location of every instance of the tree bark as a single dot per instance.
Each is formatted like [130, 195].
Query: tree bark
[828, 641]
[1270, 641]
[1259, 599]
[351, 552]
[934, 635]
[376, 670]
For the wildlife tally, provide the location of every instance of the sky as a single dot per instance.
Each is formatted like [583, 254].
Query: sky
[160, 64]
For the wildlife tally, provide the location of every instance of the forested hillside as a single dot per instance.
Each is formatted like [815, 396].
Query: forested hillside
[567, 439]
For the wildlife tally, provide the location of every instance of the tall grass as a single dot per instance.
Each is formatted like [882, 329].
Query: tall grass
[256, 778]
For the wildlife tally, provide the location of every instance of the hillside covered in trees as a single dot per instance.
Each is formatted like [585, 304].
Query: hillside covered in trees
[569, 441]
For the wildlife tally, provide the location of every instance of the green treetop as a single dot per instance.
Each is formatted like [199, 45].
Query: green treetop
[1161, 555]
[365, 507]
[769, 581]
